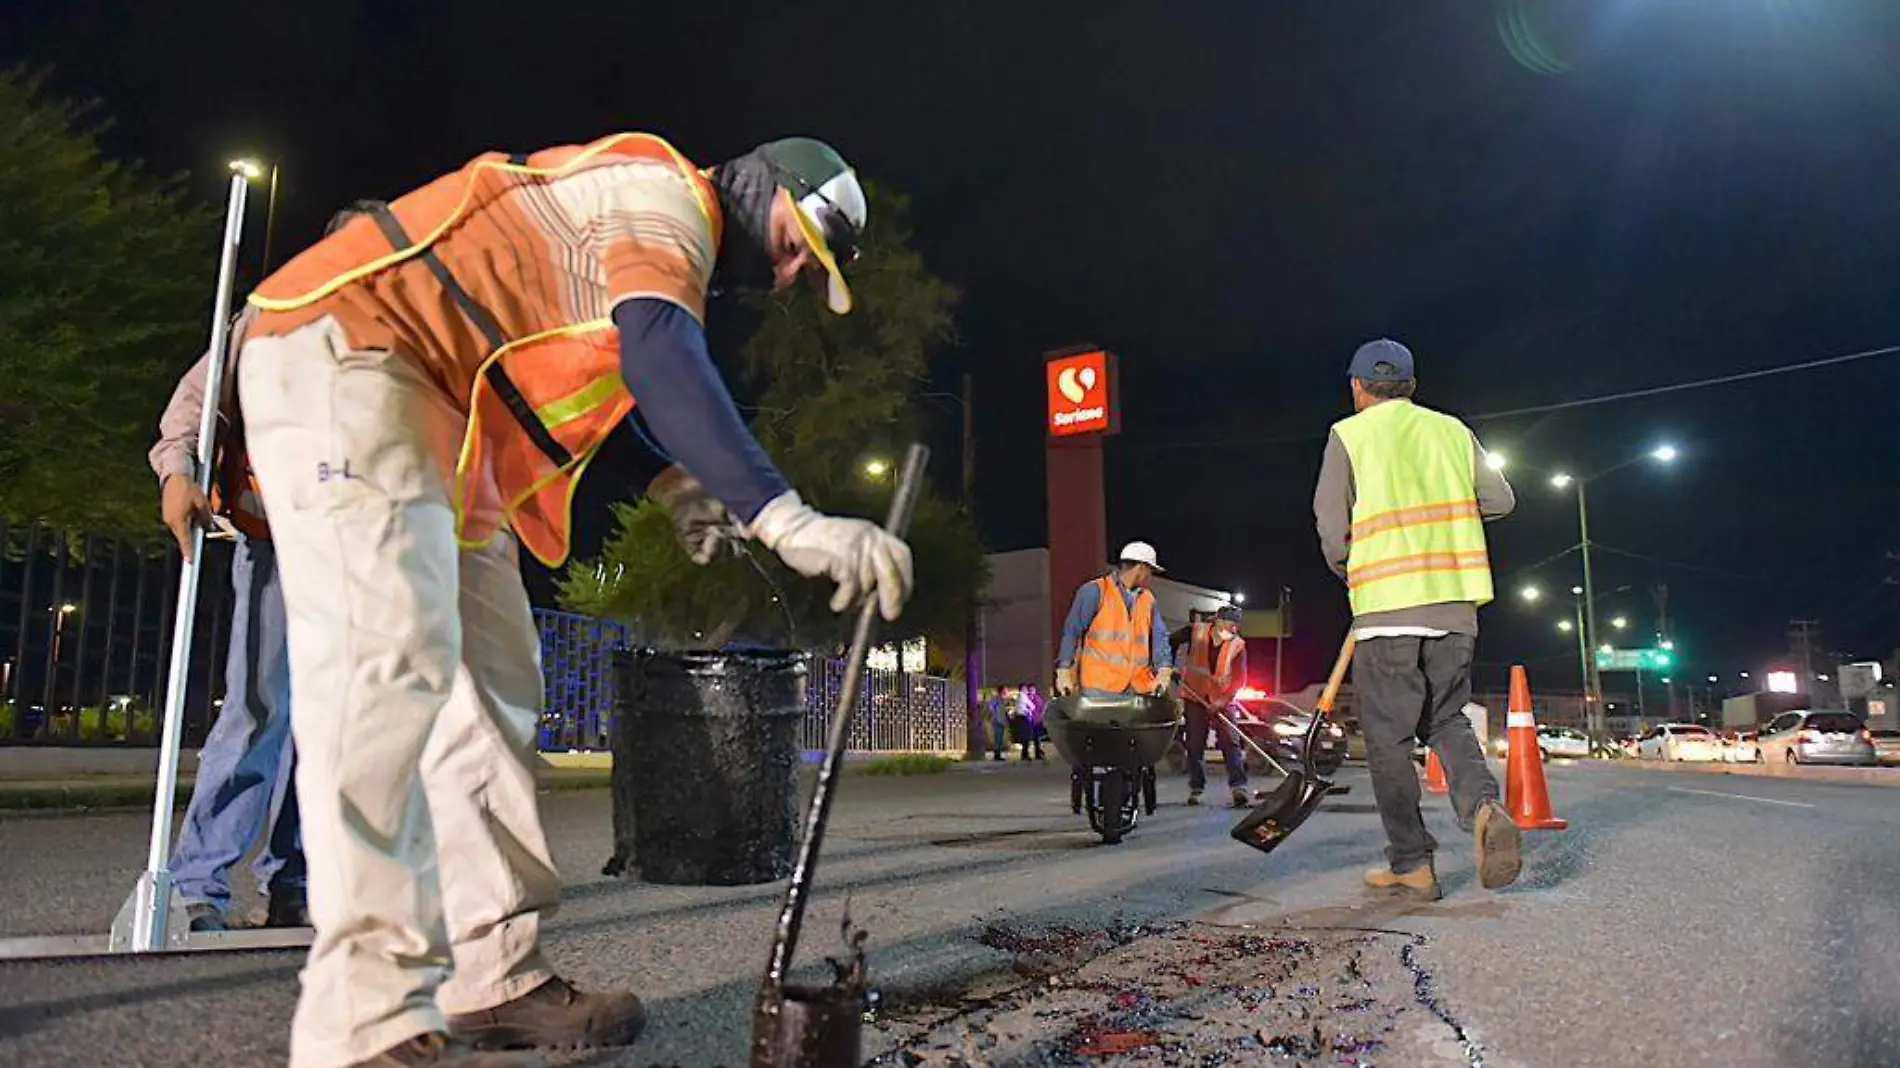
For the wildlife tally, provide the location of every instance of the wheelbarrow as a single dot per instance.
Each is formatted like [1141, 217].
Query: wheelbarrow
[1112, 745]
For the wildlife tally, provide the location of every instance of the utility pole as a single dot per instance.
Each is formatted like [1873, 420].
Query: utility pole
[973, 625]
[1801, 632]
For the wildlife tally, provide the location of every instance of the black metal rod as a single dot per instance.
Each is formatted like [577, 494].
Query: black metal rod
[792, 917]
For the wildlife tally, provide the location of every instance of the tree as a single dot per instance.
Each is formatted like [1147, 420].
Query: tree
[103, 273]
[832, 393]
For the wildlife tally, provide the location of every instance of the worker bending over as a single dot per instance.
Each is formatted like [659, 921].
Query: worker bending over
[420, 392]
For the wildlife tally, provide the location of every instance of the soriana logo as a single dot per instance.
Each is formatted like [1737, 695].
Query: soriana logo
[1081, 394]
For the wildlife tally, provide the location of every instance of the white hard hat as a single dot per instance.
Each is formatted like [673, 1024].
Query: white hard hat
[1140, 552]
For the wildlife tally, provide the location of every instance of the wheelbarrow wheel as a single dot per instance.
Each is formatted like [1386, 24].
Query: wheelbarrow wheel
[1108, 816]
[1148, 798]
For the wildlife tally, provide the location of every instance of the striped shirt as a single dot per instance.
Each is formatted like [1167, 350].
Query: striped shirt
[537, 252]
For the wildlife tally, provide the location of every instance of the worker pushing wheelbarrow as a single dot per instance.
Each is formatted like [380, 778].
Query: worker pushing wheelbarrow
[1112, 718]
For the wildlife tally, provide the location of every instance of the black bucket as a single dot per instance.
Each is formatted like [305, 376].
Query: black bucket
[706, 755]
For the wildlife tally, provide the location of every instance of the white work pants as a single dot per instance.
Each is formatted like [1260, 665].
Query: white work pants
[417, 669]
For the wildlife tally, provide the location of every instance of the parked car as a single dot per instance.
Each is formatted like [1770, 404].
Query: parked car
[1280, 728]
[1679, 742]
[1886, 747]
[1806, 737]
[1566, 742]
[1740, 749]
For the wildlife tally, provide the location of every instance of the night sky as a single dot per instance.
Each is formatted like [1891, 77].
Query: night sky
[1232, 196]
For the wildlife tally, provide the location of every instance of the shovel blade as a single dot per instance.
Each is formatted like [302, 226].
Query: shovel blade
[1288, 806]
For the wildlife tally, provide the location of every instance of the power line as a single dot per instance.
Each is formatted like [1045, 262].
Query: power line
[1724, 572]
[1556, 406]
[1701, 383]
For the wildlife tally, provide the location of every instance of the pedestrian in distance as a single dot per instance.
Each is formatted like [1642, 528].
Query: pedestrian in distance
[420, 392]
[1403, 496]
[1114, 641]
[244, 786]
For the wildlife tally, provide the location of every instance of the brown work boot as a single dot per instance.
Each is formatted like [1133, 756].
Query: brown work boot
[1194, 797]
[554, 1015]
[1497, 838]
[1239, 798]
[1420, 882]
[425, 1051]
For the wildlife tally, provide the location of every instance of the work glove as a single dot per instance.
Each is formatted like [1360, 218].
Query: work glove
[1065, 681]
[1163, 679]
[701, 524]
[857, 554]
[184, 506]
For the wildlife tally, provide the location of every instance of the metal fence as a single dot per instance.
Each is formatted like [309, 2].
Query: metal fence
[896, 711]
[86, 625]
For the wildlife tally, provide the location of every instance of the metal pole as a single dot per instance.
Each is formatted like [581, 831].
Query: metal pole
[1279, 642]
[1595, 680]
[973, 625]
[270, 219]
[1583, 666]
[152, 898]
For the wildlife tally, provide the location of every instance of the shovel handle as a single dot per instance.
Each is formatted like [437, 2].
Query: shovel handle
[1338, 676]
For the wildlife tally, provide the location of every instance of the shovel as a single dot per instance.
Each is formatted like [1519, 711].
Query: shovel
[820, 1027]
[1300, 794]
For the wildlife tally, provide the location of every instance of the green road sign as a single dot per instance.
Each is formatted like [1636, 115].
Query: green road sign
[1635, 659]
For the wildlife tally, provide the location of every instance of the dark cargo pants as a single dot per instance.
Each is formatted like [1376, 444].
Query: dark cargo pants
[1412, 689]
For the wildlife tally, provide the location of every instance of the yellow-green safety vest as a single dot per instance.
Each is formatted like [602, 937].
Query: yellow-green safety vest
[1416, 538]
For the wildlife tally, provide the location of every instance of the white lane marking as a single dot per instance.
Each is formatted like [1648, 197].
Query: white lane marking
[1740, 797]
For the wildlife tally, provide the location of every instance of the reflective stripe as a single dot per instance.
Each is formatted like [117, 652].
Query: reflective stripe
[578, 403]
[1520, 719]
[1422, 515]
[1416, 564]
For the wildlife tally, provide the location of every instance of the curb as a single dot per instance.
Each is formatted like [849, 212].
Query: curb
[559, 773]
[1862, 776]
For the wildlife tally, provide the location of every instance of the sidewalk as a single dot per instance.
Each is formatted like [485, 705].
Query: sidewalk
[83, 780]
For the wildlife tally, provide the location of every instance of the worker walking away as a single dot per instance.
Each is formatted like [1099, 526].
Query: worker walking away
[420, 392]
[1403, 496]
[1212, 668]
[1114, 641]
[244, 788]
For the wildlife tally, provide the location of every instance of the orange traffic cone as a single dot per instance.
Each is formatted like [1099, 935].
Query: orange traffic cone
[1435, 773]
[1525, 793]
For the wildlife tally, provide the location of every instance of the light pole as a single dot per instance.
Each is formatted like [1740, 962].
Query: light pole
[1279, 638]
[1661, 454]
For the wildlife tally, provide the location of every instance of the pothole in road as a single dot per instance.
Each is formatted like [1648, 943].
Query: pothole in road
[1187, 996]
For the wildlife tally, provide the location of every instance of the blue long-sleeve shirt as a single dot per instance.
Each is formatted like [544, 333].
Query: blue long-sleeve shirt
[1088, 601]
[685, 403]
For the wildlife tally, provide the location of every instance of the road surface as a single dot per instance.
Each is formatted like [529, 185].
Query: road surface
[1681, 920]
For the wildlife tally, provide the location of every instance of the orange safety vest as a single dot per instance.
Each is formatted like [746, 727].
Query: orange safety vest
[1216, 686]
[541, 405]
[1116, 652]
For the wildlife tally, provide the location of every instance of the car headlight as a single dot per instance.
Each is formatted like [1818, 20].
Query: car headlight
[1285, 729]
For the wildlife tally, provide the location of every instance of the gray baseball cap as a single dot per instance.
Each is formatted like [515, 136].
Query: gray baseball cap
[1383, 360]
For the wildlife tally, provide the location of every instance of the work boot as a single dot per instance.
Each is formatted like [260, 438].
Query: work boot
[435, 1048]
[287, 910]
[1421, 882]
[1498, 839]
[554, 1015]
[1194, 797]
[1239, 798]
[204, 917]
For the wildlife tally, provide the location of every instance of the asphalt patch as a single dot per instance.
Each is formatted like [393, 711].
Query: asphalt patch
[1199, 996]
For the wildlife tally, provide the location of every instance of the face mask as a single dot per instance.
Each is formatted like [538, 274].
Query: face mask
[746, 188]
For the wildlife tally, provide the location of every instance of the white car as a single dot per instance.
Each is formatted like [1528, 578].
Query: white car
[1567, 743]
[1680, 742]
[1741, 749]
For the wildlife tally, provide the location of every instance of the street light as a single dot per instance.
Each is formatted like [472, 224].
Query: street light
[1239, 598]
[1561, 480]
[1531, 593]
[1620, 622]
[247, 167]
[252, 171]
[876, 469]
[1664, 453]
[1566, 626]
